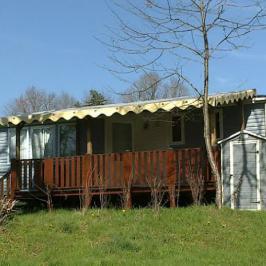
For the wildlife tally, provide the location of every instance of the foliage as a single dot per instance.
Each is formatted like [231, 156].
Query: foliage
[95, 98]
[183, 236]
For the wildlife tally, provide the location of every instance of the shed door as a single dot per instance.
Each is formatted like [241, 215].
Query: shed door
[245, 175]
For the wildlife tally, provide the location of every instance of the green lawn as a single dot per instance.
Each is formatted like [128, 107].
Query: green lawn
[185, 236]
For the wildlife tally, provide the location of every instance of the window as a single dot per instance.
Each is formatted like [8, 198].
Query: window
[122, 137]
[178, 129]
[67, 140]
[37, 142]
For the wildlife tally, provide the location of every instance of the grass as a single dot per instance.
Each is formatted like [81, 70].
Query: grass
[185, 236]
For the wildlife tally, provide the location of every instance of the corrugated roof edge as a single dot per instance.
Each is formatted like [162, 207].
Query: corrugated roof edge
[123, 108]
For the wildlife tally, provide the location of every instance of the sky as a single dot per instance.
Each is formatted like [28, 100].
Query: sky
[53, 45]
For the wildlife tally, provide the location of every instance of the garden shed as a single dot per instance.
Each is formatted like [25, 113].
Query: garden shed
[243, 159]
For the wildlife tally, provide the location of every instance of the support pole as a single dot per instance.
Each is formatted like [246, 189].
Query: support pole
[18, 129]
[89, 137]
[78, 137]
[242, 126]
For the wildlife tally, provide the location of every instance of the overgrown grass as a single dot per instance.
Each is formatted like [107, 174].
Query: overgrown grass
[185, 236]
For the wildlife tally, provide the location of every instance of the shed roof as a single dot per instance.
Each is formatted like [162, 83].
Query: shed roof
[240, 133]
[124, 108]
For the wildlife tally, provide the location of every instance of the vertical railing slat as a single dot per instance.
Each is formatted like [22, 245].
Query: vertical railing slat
[62, 172]
[67, 173]
[101, 170]
[73, 172]
[78, 173]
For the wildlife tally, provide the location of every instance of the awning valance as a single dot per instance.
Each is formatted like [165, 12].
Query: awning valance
[181, 103]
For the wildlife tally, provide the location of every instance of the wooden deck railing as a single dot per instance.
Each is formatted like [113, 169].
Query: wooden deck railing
[111, 171]
[27, 174]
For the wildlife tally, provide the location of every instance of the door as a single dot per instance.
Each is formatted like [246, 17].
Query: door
[244, 168]
[122, 137]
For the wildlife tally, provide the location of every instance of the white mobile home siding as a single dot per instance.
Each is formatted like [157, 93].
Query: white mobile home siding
[255, 118]
[4, 151]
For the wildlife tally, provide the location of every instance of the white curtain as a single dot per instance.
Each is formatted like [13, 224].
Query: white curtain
[12, 142]
[24, 144]
[49, 141]
[37, 143]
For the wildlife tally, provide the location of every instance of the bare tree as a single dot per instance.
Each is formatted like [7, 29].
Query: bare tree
[174, 88]
[64, 100]
[195, 181]
[156, 184]
[150, 87]
[143, 89]
[126, 197]
[36, 100]
[31, 101]
[169, 36]
[6, 208]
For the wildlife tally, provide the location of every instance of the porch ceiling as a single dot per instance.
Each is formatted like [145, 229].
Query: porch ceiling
[122, 109]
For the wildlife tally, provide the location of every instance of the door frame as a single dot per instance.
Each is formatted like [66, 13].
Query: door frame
[237, 142]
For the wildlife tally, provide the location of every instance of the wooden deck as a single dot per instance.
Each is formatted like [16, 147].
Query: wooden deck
[108, 173]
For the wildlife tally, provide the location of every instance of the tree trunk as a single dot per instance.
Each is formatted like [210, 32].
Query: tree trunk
[207, 136]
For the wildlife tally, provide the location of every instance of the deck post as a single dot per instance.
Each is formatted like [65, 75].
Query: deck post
[14, 174]
[78, 137]
[18, 129]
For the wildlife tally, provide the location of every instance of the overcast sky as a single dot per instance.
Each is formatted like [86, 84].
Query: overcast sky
[51, 45]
